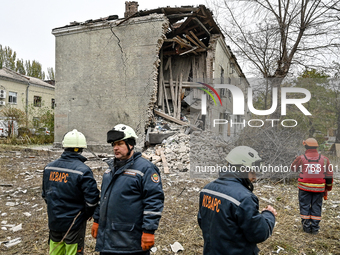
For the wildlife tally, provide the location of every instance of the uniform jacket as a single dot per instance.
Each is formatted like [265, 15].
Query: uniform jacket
[131, 202]
[316, 173]
[230, 219]
[69, 187]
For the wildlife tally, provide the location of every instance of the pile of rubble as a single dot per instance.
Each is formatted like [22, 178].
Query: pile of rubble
[181, 150]
[172, 155]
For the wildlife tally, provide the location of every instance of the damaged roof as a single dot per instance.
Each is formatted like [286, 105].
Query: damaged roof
[190, 27]
[196, 18]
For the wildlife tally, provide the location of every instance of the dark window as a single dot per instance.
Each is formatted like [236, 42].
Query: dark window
[52, 103]
[37, 101]
[222, 75]
[12, 97]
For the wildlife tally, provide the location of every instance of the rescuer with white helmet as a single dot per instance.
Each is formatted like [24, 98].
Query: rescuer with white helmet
[132, 199]
[74, 141]
[71, 194]
[229, 211]
[124, 134]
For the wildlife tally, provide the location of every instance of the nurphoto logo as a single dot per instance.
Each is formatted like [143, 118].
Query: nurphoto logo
[238, 100]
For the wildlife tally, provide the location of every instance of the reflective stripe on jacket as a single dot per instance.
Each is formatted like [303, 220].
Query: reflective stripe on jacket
[68, 187]
[230, 219]
[131, 202]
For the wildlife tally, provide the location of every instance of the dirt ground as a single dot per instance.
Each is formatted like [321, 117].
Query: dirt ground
[21, 203]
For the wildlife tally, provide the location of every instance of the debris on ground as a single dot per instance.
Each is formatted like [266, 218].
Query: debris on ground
[176, 247]
[24, 210]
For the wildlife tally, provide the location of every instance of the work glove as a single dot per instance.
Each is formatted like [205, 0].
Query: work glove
[329, 188]
[94, 230]
[148, 240]
[325, 195]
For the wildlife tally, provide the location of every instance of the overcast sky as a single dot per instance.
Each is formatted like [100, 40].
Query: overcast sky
[26, 26]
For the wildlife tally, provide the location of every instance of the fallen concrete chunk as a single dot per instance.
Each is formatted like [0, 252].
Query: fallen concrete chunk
[12, 242]
[176, 247]
[27, 214]
[147, 157]
[17, 228]
[158, 137]
[9, 225]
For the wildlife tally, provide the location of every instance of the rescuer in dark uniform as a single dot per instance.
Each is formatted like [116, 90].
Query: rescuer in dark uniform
[132, 199]
[229, 211]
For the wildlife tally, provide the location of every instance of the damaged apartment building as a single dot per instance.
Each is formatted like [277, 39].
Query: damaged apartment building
[148, 64]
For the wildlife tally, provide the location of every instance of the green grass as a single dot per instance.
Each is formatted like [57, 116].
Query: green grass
[41, 139]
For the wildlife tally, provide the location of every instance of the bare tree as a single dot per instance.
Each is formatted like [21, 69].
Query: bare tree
[276, 35]
[335, 99]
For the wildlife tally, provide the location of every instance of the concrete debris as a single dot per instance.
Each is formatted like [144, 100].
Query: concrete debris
[157, 137]
[12, 203]
[172, 151]
[278, 250]
[153, 249]
[17, 228]
[176, 247]
[270, 201]
[13, 242]
[9, 225]
[27, 214]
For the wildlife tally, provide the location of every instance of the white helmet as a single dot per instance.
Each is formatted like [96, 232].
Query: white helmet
[74, 139]
[121, 132]
[244, 155]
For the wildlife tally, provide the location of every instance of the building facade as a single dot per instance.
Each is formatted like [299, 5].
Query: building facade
[111, 71]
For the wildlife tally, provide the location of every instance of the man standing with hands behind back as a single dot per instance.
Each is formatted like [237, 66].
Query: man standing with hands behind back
[131, 201]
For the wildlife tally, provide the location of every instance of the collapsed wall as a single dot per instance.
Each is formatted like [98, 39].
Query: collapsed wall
[106, 74]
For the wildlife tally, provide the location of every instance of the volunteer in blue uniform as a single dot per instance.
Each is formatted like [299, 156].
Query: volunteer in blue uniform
[132, 198]
[229, 211]
[71, 194]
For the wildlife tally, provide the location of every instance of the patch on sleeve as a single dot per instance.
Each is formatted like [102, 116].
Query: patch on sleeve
[155, 177]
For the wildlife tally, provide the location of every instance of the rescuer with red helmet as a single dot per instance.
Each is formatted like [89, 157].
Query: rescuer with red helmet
[316, 178]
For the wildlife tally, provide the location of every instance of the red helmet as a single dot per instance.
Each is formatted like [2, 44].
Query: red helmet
[311, 142]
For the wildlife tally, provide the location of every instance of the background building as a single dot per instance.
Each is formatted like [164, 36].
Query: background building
[26, 93]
